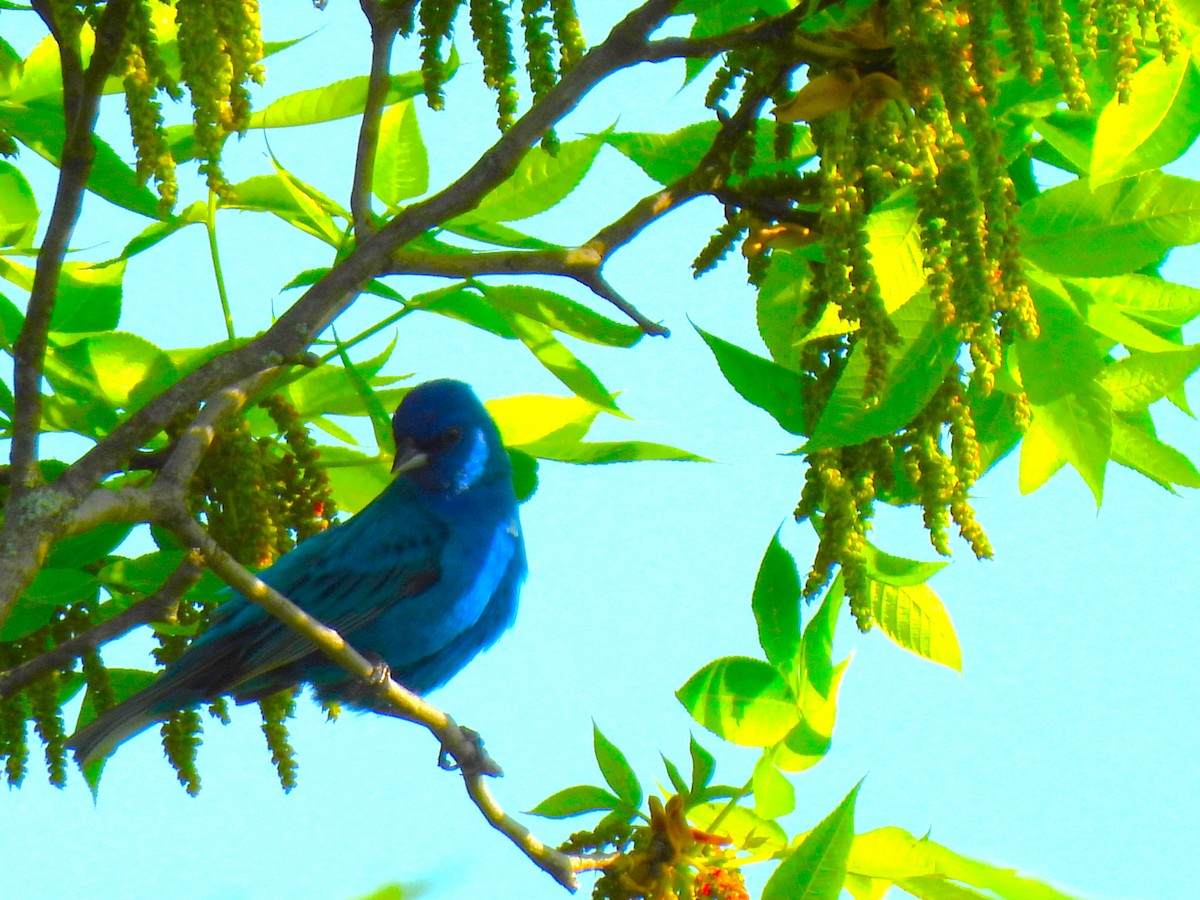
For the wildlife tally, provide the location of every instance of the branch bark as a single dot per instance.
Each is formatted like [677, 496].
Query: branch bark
[399, 701]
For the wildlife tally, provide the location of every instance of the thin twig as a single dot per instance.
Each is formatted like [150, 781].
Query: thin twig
[149, 609]
[399, 700]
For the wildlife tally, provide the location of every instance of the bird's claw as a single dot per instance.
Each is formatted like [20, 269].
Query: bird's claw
[474, 761]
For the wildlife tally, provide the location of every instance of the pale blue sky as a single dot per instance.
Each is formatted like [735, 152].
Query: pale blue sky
[1066, 748]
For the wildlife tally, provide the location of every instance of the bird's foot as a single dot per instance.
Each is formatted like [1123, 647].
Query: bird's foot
[468, 756]
[364, 692]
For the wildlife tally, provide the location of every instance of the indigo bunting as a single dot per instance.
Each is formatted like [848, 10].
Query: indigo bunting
[422, 579]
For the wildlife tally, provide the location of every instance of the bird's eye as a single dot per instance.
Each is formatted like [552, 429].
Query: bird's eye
[447, 438]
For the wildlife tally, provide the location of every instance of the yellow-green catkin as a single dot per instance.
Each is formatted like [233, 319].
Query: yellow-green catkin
[48, 723]
[14, 719]
[1056, 25]
[181, 738]
[220, 50]
[437, 25]
[276, 710]
[569, 33]
[490, 27]
[145, 75]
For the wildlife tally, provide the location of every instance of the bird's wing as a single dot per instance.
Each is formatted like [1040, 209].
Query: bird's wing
[346, 578]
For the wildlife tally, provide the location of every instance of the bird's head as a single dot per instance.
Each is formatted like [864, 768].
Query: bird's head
[445, 439]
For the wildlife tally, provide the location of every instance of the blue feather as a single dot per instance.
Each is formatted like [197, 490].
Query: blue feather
[423, 579]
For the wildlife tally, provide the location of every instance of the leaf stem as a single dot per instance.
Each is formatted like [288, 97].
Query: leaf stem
[363, 335]
[747, 789]
[210, 225]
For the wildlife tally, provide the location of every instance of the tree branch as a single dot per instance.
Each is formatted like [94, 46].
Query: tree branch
[32, 526]
[149, 609]
[81, 105]
[399, 700]
[385, 21]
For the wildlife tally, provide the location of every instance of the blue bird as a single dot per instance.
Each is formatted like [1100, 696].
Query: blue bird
[422, 579]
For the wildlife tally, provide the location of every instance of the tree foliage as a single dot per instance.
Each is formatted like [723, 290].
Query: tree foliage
[953, 213]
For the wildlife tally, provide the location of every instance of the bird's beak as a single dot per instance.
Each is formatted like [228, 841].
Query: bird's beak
[408, 457]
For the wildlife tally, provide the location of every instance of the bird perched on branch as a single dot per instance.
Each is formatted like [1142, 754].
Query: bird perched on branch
[422, 579]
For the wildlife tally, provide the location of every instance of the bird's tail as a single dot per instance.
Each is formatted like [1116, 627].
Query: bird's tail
[156, 703]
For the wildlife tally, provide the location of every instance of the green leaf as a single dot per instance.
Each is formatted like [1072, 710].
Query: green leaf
[1058, 372]
[776, 605]
[1145, 453]
[18, 208]
[498, 235]
[333, 101]
[1145, 297]
[916, 619]
[561, 314]
[540, 182]
[78, 550]
[743, 827]
[466, 305]
[356, 478]
[703, 766]
[566, 449]
[896, 570]
[923, 868]
[818, 640]
[668, 157]
[761, 382]
[381, 421]
[575, 801]
[742, 700]
[401, 161]
[51, 588]
[1136, 381]
[816, 870]
[143, 574]
[1160, 121]
[675, 776]
[193, 214]
[615, 768]
[123, 683]
[561, 362]
[88, 296]
[39, 126]
[916, 367]
[1110, 229]
[128, 370]
[774, 795]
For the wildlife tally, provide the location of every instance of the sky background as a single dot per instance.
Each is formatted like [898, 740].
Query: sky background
[1066, 748]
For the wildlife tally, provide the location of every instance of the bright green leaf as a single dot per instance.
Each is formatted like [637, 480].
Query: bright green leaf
[816, 870]
[615, 768]
[1136, 381]
[916, 619]
[774, 795]
[742, 700]
[703, 766]
[1160, 120]
[574, 801]
[776, 605]
[18, 208]
[561, 314]
[743, 827]
[561, 362]
[401, 161]
[916, 368]
[540, 182]
[1110, 229]
[1145, 453]
[765, 384]
[896, 570]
